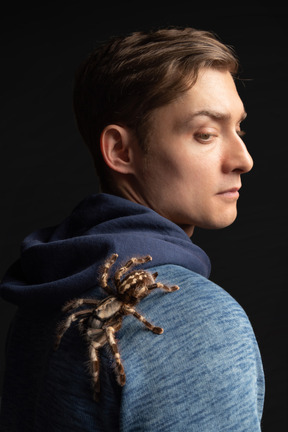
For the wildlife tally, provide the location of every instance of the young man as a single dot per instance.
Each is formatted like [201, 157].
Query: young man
[162, 117]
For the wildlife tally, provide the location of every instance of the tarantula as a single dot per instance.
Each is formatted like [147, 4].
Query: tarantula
[100, 322]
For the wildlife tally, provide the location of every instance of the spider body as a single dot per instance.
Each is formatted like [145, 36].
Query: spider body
[103, 319]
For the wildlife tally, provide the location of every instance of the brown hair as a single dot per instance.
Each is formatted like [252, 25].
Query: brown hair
[125, 79]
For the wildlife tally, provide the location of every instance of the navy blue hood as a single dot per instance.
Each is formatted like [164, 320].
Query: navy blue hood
[62, 262]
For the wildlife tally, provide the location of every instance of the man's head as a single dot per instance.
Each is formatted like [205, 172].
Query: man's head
[130, 98]
[125, 79]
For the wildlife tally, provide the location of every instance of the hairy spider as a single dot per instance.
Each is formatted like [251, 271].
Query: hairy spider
[100, 322]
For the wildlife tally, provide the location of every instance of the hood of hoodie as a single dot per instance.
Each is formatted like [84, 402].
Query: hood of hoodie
[62, 262]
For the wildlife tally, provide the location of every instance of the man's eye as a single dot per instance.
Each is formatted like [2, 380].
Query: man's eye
[204, 137]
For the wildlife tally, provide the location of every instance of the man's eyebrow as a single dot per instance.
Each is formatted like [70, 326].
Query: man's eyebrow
[215, 115]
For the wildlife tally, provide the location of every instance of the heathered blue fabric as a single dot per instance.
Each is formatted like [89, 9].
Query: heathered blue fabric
[204, 373]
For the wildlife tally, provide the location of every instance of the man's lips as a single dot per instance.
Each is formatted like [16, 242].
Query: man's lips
[230, 193]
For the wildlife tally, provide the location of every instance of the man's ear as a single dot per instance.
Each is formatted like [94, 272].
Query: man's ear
[117, 143]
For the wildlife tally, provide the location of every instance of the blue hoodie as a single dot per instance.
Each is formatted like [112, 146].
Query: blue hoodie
[204, 373]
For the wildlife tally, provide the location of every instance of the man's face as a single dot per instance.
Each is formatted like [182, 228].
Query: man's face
[196, 156]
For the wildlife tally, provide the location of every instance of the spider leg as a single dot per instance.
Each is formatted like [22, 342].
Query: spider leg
[154, 329]
[164, 287]
[130, 263]
[105, 273]
[73, 304]
[65, 324]
[120, 374]
[95, 368]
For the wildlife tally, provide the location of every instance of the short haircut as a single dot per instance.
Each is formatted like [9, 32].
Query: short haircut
[123, 80]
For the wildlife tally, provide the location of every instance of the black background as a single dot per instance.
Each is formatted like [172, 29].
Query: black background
[46, 170]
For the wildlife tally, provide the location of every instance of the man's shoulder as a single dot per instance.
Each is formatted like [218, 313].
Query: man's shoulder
[197, 292]
[200, 311]
[208, 349]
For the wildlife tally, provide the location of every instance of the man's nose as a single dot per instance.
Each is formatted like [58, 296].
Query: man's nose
[237, 158]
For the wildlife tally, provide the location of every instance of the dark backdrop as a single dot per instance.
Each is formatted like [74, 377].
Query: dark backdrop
[46, 170]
